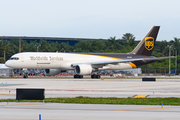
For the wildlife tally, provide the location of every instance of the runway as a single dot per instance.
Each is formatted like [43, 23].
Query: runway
[121, 88]
[57, 111]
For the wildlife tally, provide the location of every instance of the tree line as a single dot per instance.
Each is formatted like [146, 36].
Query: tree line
[124, 45]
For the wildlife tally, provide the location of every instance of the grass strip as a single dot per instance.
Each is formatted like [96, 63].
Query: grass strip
[122, 101]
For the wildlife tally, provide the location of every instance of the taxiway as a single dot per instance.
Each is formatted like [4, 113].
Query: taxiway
[121, 88]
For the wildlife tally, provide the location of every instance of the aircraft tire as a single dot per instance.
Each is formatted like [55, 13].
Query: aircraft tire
[92, 76]
[95, 76]
[25, 76]
[98, 76]
[75, 76]
[78, 76]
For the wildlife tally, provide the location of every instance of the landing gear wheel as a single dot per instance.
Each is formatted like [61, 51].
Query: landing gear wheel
[95, 76]
[78, 76]
[98, 76]
[25, 76]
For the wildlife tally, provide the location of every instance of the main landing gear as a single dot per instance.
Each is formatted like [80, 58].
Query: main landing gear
[95, 76]
[78, 76]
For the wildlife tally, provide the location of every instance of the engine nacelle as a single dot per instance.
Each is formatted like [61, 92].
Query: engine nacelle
[53, 71]
[83, 69]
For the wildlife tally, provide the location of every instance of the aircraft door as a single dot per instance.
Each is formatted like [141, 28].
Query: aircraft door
[22, 59]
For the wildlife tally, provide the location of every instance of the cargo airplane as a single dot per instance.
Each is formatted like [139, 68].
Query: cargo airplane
[86, 63]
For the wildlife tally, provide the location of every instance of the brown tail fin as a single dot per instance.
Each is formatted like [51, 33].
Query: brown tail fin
[145, 47]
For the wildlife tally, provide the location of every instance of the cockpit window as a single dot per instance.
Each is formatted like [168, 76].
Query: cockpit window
[14, 58]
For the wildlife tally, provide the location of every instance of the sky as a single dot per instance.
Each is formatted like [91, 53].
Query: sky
[89, 18]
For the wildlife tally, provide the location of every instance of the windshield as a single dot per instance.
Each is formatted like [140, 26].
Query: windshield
[14, 58]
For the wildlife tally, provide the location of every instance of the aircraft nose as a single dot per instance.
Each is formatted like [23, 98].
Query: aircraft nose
[8, 63]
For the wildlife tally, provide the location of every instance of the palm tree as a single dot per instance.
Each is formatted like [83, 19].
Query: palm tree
[162, 46]
[129, 38]
[176, 43]
[4, 48]
[111, 42]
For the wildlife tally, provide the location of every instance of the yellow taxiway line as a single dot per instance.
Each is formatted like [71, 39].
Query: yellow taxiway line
[140, 96]
[8, 94]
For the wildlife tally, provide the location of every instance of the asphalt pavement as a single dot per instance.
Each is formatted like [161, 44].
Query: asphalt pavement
[121, 88]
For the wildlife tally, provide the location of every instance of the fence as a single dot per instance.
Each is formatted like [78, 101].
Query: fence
[162, 71]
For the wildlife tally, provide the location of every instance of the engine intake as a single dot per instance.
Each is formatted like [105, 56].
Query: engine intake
[83, 69]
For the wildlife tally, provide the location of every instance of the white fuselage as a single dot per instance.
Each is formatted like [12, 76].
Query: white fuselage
[63, 61]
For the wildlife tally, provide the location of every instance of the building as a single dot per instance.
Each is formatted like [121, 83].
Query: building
[5, 71]
[71, 41]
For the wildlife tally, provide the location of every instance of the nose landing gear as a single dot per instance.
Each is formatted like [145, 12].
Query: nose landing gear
[25, 75]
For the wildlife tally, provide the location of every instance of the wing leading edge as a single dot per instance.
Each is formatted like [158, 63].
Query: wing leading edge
[103, 63]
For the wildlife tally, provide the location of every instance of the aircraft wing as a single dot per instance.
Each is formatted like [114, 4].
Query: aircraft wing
[101, 64]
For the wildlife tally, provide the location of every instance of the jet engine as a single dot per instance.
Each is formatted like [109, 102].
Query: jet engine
[53, 71]
[83, 69]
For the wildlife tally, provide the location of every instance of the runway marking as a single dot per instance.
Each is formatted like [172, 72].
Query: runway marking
[140, 96]
[76, 90]
[5, 85]
[7, 94]
[19, 104]
[145, 109]
[144, 86]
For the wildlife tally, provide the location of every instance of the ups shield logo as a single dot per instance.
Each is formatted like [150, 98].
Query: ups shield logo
[149, 43]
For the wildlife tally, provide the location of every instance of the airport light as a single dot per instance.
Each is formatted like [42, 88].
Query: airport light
[170, 58]
[19, 45]
[175, 60]
[63, 49]
[37, 47]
